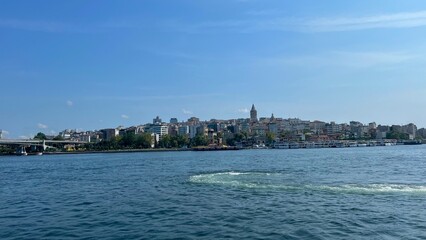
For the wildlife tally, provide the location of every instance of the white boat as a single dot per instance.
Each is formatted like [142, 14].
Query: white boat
[21, 151]
[259, 146]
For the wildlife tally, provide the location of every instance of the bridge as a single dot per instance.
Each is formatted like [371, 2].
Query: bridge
[21, 144]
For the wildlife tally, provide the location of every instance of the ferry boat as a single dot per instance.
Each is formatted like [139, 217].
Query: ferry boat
[282, 145]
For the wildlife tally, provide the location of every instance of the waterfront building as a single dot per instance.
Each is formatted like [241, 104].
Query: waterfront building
[396, 128]
[193, 120]
[273, 128]
[259, 130]
[157, 120]
[183, 130]
[160, 130]
[201, 129]
[421, 133]
[173, 130]
[333, 128]
[84, 138]
[66, 134]
[384, 129]
[317, 127]
[380, 134]
[140, 129]
[215, 126]
[192, 130]
[245, 127]
[253, 114]
[124, 131]
[1, 134]
[372, 125]
[109, 133]
[410, 129]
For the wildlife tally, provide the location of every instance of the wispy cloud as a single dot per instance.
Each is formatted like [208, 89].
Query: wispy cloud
[344, 59]
[4, 132]
[70, 103]
[42, 126]
[24, 137]
[187, 112]
[395, 20]
[325, 24]
[243, 110]
[124, 116]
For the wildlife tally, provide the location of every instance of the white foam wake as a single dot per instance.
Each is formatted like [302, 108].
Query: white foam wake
[277, 181]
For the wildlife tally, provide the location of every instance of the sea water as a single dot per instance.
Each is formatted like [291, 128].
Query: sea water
[348, 193]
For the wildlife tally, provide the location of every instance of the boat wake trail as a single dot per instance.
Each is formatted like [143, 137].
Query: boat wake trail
[281, 182]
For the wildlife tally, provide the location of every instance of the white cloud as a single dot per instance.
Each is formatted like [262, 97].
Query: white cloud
[326, 24]
[243, 110]
[70, 103]
[187, 112]
[5, 132]
[124, 116]
[344, 59]
[395, 20]
[24, 137]
[42, 126]
[53, 132]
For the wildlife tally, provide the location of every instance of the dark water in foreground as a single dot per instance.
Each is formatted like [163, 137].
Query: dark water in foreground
[351, 193]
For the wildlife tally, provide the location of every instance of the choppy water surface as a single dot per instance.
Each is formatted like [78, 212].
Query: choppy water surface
[351, 193]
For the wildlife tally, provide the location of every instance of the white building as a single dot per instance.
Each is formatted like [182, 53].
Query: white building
[85, 138]
[192, 131]
[110, 133]
[333, 128]
[183, 130]
[160, 130]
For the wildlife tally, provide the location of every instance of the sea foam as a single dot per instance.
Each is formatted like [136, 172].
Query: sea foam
[278, 181]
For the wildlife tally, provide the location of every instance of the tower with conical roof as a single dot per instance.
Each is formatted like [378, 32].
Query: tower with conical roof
[253, 114]
[272, 119]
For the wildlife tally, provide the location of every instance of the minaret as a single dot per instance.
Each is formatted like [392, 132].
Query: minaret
[253, 114]
[272, 119]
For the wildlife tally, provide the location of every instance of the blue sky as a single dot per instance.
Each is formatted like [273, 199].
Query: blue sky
[97, 64]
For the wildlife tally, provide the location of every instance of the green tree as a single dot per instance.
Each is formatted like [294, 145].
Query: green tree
[40, 136]
[58, 138]
[199, 140]
[128, 140]
[143, 140]
[270, 138]
[165, 142]
[397, 135]
[182, 140]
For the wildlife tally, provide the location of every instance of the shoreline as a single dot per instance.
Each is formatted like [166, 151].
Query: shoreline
[195, 149]
[104, 151]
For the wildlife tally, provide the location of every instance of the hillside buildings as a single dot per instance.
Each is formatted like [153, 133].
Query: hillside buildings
[255, 130]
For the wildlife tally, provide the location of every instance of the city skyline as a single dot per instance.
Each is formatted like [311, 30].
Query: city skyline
[100, 64]
[252, 117]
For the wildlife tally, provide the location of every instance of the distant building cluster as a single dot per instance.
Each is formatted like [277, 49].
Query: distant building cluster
[253, 130]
